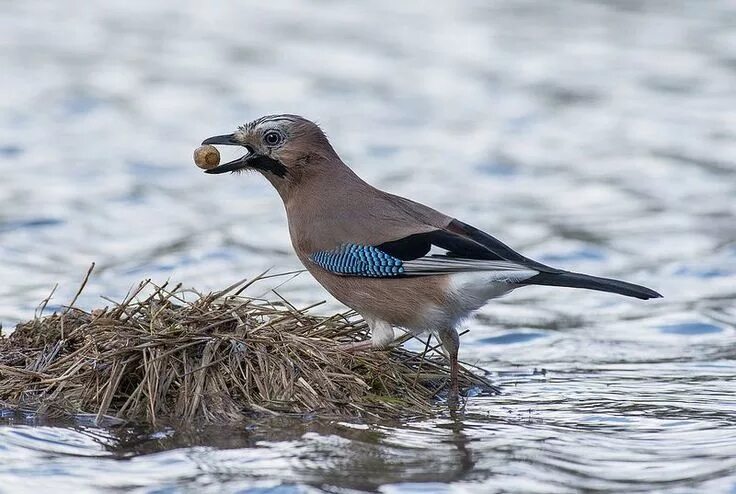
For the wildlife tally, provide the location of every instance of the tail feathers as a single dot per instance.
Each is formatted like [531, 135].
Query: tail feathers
[578, 280]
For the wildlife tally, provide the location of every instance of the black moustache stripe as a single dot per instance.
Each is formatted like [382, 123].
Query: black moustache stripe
[268, 164]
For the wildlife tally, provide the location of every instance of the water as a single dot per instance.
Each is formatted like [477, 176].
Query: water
[590, 135]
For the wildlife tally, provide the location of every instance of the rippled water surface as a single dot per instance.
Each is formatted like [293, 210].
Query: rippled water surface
[599, 136]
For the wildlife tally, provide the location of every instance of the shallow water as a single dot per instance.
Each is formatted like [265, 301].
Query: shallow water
[593, 136]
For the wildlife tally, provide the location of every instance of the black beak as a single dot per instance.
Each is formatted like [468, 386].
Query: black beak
[234, 165]
[223, 140]
[251, 160]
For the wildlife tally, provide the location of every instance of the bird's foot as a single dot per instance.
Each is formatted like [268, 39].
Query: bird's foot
[356, 346]
[453, 396]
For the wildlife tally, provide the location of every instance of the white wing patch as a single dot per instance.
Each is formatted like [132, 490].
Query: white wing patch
[508, 271]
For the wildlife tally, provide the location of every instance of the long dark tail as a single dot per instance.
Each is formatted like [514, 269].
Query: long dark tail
[578, 280]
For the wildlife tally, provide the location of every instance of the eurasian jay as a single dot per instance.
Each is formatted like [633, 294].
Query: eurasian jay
[394, 261]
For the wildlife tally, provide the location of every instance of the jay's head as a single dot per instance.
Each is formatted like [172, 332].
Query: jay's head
[286, 149]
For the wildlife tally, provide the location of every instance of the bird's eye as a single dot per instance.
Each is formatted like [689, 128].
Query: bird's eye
[273, 138]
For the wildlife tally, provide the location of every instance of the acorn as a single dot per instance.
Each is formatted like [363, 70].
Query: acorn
[206, 157]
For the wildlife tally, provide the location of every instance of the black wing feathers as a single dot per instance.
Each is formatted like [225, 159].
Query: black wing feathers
[409, 248]
[419, 245]
[461, 240]
[496, 247]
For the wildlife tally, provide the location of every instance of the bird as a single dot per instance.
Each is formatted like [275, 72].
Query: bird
[396, 262]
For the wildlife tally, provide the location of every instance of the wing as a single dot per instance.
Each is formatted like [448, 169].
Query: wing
[464, 249]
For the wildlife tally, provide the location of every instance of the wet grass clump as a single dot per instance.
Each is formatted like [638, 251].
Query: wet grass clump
[156, 357]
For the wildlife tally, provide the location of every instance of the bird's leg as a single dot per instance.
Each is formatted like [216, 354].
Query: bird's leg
[382, 335]
[454, 379]
[450, 344]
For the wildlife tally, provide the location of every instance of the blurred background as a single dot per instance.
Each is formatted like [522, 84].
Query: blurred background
[591, 135]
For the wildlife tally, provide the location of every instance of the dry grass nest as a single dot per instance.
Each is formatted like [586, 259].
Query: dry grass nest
[223, 357]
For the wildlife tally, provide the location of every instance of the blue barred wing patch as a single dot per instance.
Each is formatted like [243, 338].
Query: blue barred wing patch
[358, 260]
